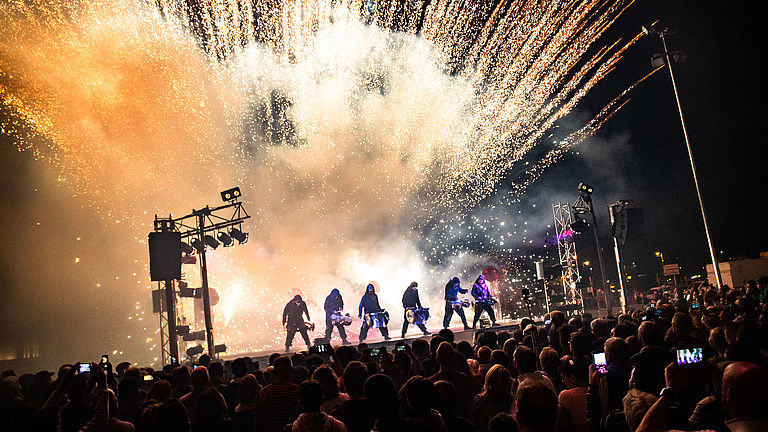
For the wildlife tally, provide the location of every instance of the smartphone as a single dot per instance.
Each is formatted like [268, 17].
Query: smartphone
[598, 359]
[690, 356]
[695, 306]
[195, 366]
[653, 305]
[547, 322]
[104, 359]
[375, 352]
[174, 361]
[84, 368]
[657, 313]
[645, 318]
[400, 348]
[148, 377]
[318, 349]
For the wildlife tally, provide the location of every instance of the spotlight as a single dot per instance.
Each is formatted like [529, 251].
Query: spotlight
[238, 235]
[579, 226]
[198, 245]
[198, 335]
[182, 330]
[186, 249]
[224, 238]
[195, 351]
[220, 348]
[230, 194]
[210, 241]
[583, 187]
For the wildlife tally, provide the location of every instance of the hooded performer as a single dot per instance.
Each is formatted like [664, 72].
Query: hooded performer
[452, 290]
[333, 304]
[483, 298]
[293, 320]
[411, 300]
[370, 304]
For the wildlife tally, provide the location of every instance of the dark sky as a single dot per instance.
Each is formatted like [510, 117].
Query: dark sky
[720, 90]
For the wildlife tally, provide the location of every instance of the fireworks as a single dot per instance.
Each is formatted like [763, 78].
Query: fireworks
[346, 123]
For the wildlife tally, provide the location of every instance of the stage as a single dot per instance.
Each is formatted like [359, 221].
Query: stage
[375, 340]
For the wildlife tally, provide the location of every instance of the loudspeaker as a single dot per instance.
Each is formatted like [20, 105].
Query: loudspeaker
[164, 255]
[539, 270]
[628, 225]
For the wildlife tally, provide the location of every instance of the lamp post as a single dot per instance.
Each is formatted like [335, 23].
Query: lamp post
[584, 205]
[665, 55]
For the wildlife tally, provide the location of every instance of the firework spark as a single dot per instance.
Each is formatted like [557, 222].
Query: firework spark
[346, 123]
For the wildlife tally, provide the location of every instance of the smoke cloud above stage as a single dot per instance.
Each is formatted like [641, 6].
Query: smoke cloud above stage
[353, 132]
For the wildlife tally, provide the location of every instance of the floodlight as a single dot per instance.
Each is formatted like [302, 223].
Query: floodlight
[198, 245]
[224, 238]
[210, 241]
[230, 194]
[195, 350]
[220, 348]
[238, 235]
[583, 187]
[186, 249]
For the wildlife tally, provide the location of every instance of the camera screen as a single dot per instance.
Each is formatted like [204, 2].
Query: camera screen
[695, 306]
[85, 367]
[104, 359]
[599, 360]
[147, 377]
[690, 356]
[400, 348]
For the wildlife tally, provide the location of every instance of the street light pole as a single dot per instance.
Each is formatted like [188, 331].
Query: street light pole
[715, 264]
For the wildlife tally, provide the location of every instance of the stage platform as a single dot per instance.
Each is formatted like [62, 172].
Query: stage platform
[375, 340]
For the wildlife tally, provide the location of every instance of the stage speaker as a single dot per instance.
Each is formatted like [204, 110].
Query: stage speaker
[628, 225]
[164, 255]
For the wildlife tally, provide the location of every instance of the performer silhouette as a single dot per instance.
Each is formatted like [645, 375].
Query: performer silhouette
[411, 300]
[483, 298]
[334, 303]
[452, 290]
[370, 304]
[293, 320]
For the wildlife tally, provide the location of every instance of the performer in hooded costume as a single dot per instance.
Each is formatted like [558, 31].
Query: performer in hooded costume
[411, 300]
[452, 290]
[293, 320]
[334, 304]
[483, 300]
[370, 304]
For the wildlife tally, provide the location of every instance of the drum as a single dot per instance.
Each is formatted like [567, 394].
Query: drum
[417, 316]
[489, 301]
[377, 319]
[338, 319]
[457, 304]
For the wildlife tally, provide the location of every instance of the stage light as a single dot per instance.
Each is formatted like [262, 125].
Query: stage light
[182, 330]
[583, 187]
[186, 249]
[579, 226]
[224, 238]
[210, 241]
[198, 245]
[198, 335]
[220, 348]
[238, 235]
[191, 352]
[230, 194]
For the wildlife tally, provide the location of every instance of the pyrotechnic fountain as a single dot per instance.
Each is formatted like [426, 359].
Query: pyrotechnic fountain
[346, 123]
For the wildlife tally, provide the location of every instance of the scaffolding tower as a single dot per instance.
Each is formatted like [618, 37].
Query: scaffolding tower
[566, 248]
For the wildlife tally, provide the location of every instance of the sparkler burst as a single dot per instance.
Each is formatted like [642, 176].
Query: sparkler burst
[346, 123]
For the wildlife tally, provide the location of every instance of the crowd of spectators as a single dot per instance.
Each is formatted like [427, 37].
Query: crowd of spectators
[535, 378]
